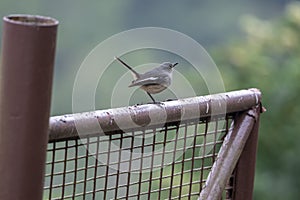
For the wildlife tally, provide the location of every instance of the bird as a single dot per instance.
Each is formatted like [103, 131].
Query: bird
[153, 81]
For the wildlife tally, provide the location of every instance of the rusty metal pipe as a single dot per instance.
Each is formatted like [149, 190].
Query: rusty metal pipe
[28, 50]
[65, 127]
[229, 155]
[245, 169]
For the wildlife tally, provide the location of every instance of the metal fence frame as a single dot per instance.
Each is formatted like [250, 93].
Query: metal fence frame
[238, 153]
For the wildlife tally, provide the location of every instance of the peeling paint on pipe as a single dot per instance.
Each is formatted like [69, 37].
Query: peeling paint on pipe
[136, 117]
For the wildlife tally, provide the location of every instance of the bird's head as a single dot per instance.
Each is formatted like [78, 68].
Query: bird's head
[168, 66]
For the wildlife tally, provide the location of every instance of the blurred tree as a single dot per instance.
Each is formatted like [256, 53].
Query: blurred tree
[269, 59]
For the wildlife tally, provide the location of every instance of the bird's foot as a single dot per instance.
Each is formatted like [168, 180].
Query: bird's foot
[171, 99]
[156, 102]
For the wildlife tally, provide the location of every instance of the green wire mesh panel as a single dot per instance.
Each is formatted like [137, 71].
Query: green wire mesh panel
[170, 162]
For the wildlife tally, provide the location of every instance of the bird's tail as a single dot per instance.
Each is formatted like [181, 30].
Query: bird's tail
[130, 68]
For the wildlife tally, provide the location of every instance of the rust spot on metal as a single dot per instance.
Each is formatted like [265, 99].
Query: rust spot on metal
[63, 120]
[111, 121]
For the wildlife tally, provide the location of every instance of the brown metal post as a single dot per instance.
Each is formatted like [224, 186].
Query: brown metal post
[28, 48]
[245, 169]
[229, 155]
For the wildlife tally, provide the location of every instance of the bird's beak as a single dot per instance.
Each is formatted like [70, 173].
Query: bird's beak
[174, 64]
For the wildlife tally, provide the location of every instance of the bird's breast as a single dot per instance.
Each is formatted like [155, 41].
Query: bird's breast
[153, 89]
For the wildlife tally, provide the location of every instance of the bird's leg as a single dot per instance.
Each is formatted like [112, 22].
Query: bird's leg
[152, 98]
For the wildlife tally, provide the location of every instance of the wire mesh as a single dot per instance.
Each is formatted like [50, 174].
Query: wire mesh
[170, 162]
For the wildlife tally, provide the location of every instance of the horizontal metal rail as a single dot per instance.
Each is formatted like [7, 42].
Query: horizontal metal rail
[134, 117]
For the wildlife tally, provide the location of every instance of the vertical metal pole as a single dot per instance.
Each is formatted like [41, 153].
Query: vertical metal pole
[228, 156]
[28, 48]
[245, 169]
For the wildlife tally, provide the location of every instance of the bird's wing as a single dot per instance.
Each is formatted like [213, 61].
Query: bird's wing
[152, 80]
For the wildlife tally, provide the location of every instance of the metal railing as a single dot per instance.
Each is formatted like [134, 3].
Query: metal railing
[168, 159]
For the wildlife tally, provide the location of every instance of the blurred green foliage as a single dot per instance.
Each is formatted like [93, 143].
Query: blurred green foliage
[269, 58]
